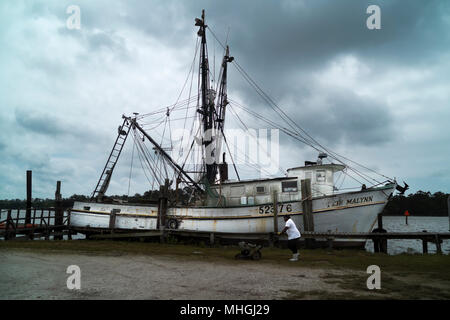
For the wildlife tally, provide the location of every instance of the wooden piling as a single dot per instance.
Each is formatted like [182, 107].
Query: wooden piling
[308, 220]
[8, 225]
[68, 225]
[59, 213]
[31, 233]
[29, 183]
[16, 225]
[330, 240]
[380, 245]
[42, 218]
[438, 244]
[448, 209]
[275, 211]
[162, 209]
[112, 220]
[330, 243]
[424, 244]
[380, 221]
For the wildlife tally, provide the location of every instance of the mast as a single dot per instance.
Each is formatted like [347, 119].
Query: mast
[207, 104]
[222, 101]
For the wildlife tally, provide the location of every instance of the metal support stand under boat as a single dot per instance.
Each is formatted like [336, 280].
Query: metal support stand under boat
[308, 220]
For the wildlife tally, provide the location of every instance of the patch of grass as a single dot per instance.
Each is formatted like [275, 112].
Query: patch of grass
[411, 287]
[402, 276]
[323, 295]
[405, 265]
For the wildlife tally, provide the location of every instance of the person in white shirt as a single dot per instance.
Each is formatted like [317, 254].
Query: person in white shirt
[293, 236]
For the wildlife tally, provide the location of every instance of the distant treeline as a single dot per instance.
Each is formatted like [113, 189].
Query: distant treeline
[418, 204]
[148, 197]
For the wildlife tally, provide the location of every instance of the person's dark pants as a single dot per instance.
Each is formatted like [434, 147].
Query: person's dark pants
[293, 245]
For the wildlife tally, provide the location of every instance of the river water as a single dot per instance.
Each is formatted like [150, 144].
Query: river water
[391, 224]
[415, 224]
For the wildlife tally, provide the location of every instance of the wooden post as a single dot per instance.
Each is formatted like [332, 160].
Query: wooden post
[17, 219]
[68, 225]
[59, 218]
[271, 240]
[275, 211]
[448, 208]
[29, 182]
[46, 230]
[162, 209]
[8, 225]
[380, 221]
[383, 245]
[211, 238]
[112, 220]
[380, 244]
[308, 220]
[31, 233]
[42, 218]
[424, 245]
[438, 244]
[330, 241]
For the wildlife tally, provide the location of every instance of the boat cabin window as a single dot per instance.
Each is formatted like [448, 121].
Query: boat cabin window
[320, 175]
[289, 186]
[87, 208]
[260, 189]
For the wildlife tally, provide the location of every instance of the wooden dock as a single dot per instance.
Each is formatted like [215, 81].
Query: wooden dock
[271, 238]
[40, 225]
[43, 223]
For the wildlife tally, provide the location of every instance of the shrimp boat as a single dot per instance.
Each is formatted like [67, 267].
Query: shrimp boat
[195, 191]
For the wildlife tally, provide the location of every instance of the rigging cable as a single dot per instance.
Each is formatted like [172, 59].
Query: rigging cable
[293, 124]
[131, 170]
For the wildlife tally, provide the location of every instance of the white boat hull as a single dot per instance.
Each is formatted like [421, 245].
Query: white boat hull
[347, 212]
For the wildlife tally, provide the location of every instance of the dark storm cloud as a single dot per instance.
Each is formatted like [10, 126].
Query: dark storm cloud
[282, 35]
[39, 122]
[349, 119]
[130, 53]
[340, 117]
[36, 121]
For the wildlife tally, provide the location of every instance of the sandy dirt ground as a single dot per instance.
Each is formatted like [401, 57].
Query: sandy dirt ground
[28, 275]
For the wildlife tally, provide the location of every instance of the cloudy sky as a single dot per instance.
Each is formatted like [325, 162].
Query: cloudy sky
[380, 97]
